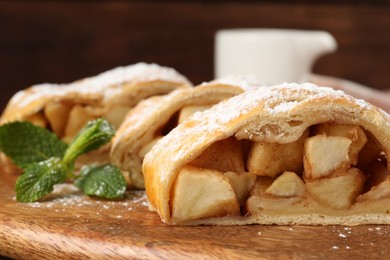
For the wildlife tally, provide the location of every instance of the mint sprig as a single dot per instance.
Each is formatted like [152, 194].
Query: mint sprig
[95, 134]
[106, 179]
[47, 161]
[39, 178]
[25, 143]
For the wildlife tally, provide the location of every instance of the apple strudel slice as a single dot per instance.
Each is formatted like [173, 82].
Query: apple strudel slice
[65, 109]
[153, 118]
[287, 154]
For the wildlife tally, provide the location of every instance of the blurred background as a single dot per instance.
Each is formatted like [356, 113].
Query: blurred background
[62, 41]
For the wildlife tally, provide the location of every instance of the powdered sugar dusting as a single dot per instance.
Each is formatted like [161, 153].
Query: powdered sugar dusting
[25, 97]
[134, 73]
[285, 106]
[68, 198]
[106, 84]
[246, 82]
[346, 237]
[278, 99]
[269, 101]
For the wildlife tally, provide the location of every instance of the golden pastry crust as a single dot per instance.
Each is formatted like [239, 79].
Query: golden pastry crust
[147, 121]
[279, 114]
[65, 108]
[127, 85]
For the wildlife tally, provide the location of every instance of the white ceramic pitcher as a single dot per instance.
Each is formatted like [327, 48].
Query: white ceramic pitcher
[273, 55]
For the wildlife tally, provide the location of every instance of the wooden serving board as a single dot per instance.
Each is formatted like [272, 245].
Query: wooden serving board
[70, 225]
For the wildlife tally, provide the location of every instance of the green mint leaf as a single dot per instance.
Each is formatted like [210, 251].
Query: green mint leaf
[39, 178]
[26, 143]
[95, 134]
[104, 181]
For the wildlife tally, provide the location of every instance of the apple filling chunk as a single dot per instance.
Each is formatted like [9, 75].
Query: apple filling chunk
[202, 193]
[289, 184]
[116, 114]
[78, 117]
[324, 154]
[65, 119]
[57, 114]
[225, 155]
[37, 119]
[272, 159]
[339, 191]
[242, 184]
[353, 132]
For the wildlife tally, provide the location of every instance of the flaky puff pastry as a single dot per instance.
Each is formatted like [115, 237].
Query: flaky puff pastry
[153, 118]
[287, 154]
[65, 108]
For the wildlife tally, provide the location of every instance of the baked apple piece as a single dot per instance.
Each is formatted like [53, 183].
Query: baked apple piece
[325, 154]
[55, 112]
[272, 198]
[272, 159]
[288, 184]
[353, 132]
[116, 114]
[242, 184]
[38, 120]
[225, 155]
[202, 193]
[77, 118]
[338, 191]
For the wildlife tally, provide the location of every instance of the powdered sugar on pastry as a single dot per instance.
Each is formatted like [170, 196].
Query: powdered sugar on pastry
[140, 72]
[106, 84]
[246, 82]
[273, 100]
[24, 97]
[277, 99]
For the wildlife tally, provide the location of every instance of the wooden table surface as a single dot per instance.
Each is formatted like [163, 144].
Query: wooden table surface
[70, 225]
